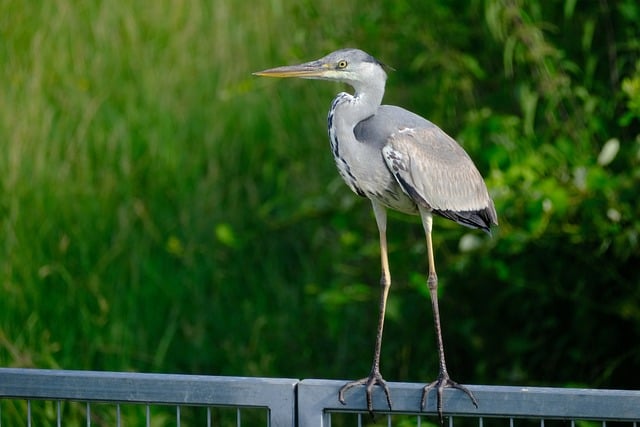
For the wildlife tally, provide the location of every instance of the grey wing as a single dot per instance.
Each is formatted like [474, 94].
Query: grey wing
[438, 174]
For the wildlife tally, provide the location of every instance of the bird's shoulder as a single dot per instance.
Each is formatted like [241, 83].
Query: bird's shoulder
[388, 120]
[410, 134]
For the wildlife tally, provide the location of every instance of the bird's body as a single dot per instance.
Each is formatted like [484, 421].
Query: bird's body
[366, 137]
[400, 161]
[377, 160]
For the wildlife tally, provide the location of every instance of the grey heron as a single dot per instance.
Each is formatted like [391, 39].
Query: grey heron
[401, 161]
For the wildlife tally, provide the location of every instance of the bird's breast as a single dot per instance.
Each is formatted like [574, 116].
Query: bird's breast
[362, 168]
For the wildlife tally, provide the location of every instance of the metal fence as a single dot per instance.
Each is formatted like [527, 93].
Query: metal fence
[498, 405]
[177, 395]
[61, 398]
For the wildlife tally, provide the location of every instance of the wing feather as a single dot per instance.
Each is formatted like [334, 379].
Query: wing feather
[437, 173]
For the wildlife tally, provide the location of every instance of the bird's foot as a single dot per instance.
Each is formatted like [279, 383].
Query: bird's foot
[369, 382]
[440, 384]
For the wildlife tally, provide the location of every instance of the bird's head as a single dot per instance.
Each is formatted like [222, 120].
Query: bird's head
[351, 66]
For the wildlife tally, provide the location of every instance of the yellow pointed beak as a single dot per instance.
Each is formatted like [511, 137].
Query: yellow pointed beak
[314, 69]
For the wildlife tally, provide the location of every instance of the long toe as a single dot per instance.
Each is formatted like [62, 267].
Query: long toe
[440, 384]
[369, 382]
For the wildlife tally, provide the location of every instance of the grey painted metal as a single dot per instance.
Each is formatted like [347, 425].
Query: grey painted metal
[276, 394]
[312, 401]
[318, 398]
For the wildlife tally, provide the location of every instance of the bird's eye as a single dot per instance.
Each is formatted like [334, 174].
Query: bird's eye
[342, 64]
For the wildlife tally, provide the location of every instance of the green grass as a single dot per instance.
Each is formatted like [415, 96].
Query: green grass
[151, 186]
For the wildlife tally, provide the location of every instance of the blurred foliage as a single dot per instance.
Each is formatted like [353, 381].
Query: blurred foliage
[163, 210]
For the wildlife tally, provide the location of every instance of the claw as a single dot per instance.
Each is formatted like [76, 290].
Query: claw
[372, 380]
[440, 384]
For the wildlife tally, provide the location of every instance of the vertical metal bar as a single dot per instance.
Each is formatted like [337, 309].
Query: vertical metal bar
[58, 414]
[238, 418]
[148, 416]
[359, 419]
[88, 414]
[480, 421]
[178, 416]
[208, 416]
[28, 413]
[117, 415]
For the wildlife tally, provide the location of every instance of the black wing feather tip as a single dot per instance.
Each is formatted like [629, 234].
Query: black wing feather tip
[482, 218]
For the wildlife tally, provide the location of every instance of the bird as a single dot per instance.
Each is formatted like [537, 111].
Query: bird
[400, 161]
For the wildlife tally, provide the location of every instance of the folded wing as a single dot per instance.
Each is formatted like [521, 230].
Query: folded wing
[438, 174]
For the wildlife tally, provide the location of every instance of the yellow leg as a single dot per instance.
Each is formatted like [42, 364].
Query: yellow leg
[443, 381]
[375, 378]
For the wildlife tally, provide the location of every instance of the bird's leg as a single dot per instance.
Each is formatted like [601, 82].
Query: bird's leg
[375, 378]
[443, 381]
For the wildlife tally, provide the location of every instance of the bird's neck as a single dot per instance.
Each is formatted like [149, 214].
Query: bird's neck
[361, 105]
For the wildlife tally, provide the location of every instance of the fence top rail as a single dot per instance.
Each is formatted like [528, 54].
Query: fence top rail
[170, 389]
[496, 401]
[313, 397]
